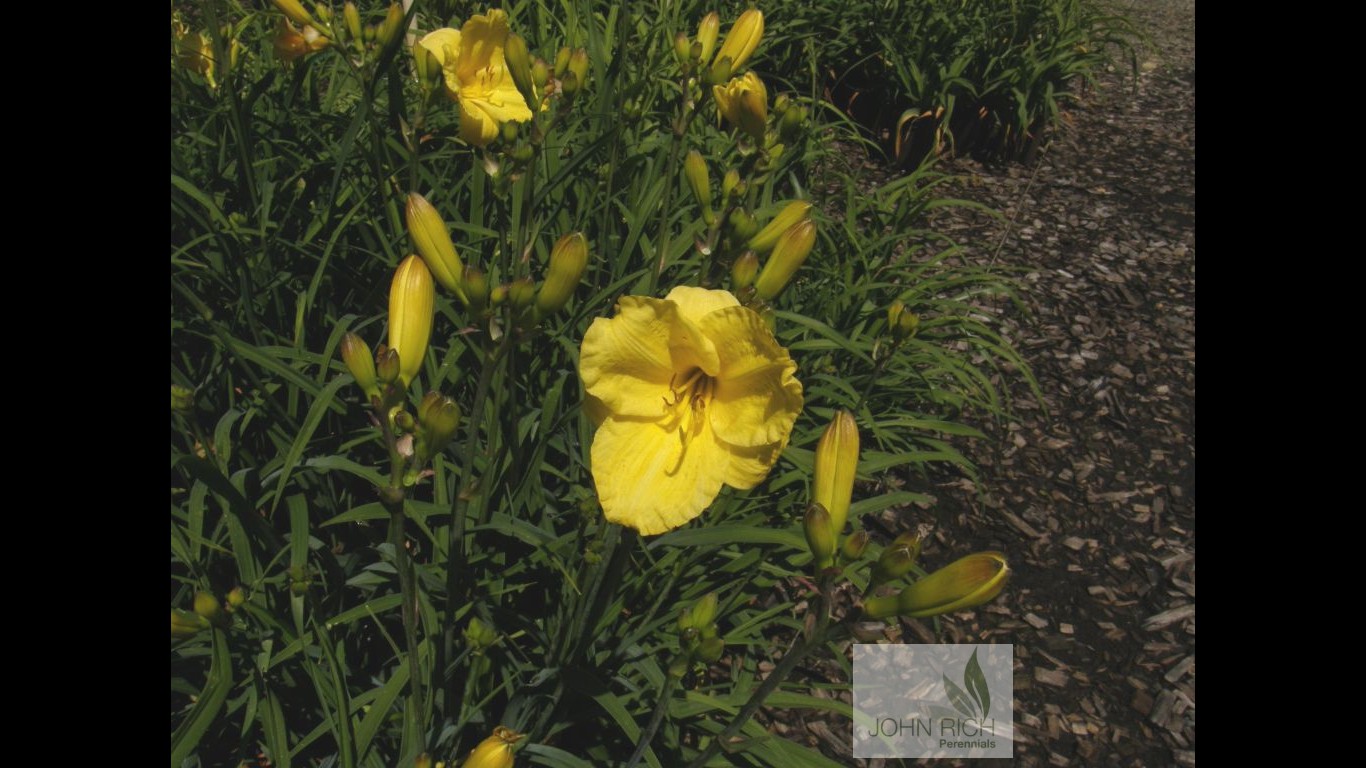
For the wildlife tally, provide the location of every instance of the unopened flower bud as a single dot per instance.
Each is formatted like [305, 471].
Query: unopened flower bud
[386, 365]
[682, 48]
[569, 84]
[495, 751]
[743, 271]
[182, 398]
[352, 17]
[820, 535]
[578, 64]
[695, 170]
[388, 29]
[718, 73]
[186, 624]
[793, 122]
[412, 299]
[742, 224]
[519, 66]
[836, 464]
[432, 239]
[788, 254]
[476, 288]
[707, 32]
[356, 354]
[562, 61]
[294, 10]
[521, 292]
[704, 611]
[404, 421]
[207, 606]
[743, 38]
[964, 583]
[896, 559]
[237, 597]
[498, 295]
[744, 103]
[731, 186]
[441, 424]
[855, 544]
[568, 259]
[710, 649]
[540, 73]
[792, 214]
[479, 635]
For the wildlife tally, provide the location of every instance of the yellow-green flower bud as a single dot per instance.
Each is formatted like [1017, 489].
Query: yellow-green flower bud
[719, 72]
[428, 66]
[731, 186]
[479, 635]
[793, 122]
[704, 611]
[568, 259]
[432, 239]
[495, 751]
[412, 299]
[742, 224]
[207, 606]
[423, 760]
[896, 559]
[906, 325]
[323, 11]
[295, 11]
[521, 292]
[744, 103]
[820, 535]
[182, 398]
[743, 38]
[562, 61]
[237, 597]
[964, 583]
[361, 363]
[894, 315]
[695, 170]
[476, 287]
[710, 649]
[682, 48]
[440, 425]
[578, 65]
[788, 254]
[540, 73]
[707, 32]
[352, 17]
[794, 213]
[404, 421]
[386, 365]
[389, 28]
[836, 464]
[186, 624]
[743, 271]
[519, 66]
[569, 84]
[498, 295]
[880, 607]
[427, 404]
[855, 544]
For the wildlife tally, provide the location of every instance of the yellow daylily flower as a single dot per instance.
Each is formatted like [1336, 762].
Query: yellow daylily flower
[495, 751]
[477, 75]
[744, 103]
[691, 392]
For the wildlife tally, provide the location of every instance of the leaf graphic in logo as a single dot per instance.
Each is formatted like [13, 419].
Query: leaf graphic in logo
[976, 683]
[957, 698]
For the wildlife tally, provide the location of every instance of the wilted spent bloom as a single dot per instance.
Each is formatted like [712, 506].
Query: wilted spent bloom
[291, 44]
[744, 103]
[495, 751]
[356, 354]
[742, 39]
[835, 467]
[820, 535]
[568, 259]
[707, 32]
[792, 214]
[412, 299]
[432, 239]
[788, 255]
[901, 323]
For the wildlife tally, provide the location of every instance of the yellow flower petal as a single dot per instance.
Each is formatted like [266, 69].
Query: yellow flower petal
[749, 466]
[653, 479]
[757, 398]
[477, 126]
[444, 44]
[631, 361]
[696, 303]
[481, 43]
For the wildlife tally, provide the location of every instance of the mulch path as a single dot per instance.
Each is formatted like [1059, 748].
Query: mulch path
[1091, 491]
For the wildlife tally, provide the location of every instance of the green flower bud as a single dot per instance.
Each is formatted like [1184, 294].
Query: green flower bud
[479, 635]
[731, 187]
[742, 224]
[237, 597]
[964, 583]
[793, 123]
[578, 64]
[295, 11]
[182, 398]
[820, 535]
[695, 170]
[207, 606]
[521, 292]
[562, 61]
[540, 73]
[356, 354]
[476, 287]
[855, 544]
[568, 259]
[388, 29]
[412, 299]
[710, 649]
[498, 295]
[792, 214]
[352, 17]
[707, 32]
[896, 559]
[441, 424]
[718, 73]
[519, 66]
[386, 365]
[788, 254]
[682, 48]
[432, 239]
[704, 611]
[569, 84]
[743, 271]
[185, 624]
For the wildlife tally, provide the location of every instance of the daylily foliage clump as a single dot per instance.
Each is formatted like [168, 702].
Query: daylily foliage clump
[541, 386]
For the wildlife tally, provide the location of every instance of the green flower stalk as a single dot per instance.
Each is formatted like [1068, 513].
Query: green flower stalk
[788, 255]
[432, 239]
[836, 466]
[412, 298]
[795, 212]
[568, 259]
